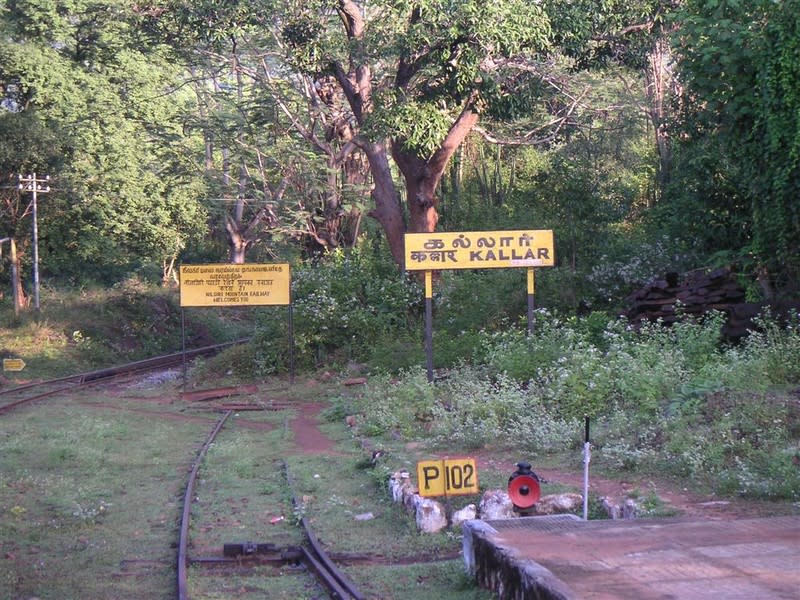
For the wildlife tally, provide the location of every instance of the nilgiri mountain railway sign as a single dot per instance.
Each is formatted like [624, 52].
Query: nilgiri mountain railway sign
[235, 285]
[226, 285]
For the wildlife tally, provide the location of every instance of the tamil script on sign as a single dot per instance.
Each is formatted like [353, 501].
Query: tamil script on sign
[479, 250]
[235, 285]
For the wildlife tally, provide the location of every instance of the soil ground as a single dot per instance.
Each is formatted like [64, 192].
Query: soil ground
[309, 439]
[682, 500]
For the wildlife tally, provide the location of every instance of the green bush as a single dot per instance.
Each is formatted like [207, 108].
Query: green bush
[662, 398]
[396, 351]
[402, 406]
[512, 351]
[472, 300]
[776, 348]
[341, 306]
[744, 442]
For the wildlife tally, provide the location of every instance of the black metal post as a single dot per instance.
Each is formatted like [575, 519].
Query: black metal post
[291, 344]
[183, 344]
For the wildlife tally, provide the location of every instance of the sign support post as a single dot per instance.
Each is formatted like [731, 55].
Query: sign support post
[587, 456]
[437, 251]
[429, 324]
[183, 344]
[531, 299]
[291, 344]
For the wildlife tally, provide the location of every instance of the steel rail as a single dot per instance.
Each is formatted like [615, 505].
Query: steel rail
[315, 557]
[91, 377]
[183, 537]
[325, 575]
[340, 586]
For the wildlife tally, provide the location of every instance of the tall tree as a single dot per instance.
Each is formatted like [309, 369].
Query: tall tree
[740, 63]
[254, 115]
[416, 77]
[628, 33]
[122, 197]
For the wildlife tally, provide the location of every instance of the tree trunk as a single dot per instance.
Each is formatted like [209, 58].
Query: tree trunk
[387, 211]
[422, 176]
[237, 241]
[658, 83]
[16, 279]
[421, 182]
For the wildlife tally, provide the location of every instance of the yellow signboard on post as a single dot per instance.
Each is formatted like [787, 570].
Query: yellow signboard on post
[479, 250]
[448, 477]
[428, 252]
[13, 364]
[235, 285]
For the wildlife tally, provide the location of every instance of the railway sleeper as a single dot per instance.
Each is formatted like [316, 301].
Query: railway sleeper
[237, 554]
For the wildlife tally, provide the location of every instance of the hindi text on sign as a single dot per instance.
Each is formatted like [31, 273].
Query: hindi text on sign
[479, 250]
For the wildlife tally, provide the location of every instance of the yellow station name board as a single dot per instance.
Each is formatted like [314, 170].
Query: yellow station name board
[479, 250]
[235, 285]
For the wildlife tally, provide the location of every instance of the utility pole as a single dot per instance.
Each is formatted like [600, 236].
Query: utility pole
[31, 184]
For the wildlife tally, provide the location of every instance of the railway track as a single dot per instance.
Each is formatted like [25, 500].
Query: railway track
[24, 394]
[209, 510]
[311, 554]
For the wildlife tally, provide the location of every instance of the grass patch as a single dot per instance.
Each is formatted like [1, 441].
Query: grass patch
[90, 492]
[82, 330]
[403, 582]
[85, 497]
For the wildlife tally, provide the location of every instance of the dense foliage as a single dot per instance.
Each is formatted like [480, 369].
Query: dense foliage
[674, 400]
[650, 135]
[99, 112]
[196, 131]
[739, 161]
[666, 399]
[340, 312]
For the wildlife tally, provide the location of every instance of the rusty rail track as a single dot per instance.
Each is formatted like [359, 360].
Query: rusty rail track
[183, 538]
[313, 556]
[334, 579]
[31, 392]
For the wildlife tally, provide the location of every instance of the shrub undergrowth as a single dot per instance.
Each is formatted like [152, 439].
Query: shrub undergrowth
[340, 310]
[671, 399]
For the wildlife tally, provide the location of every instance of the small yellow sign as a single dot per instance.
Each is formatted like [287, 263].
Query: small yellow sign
[479, 250]
[448, 477]
[13, 364]
[235, 285]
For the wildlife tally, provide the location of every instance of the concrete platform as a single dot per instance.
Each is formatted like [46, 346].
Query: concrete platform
[561, 558]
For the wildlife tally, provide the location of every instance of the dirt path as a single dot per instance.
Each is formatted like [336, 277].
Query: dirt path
[682, 499]
[308, 439]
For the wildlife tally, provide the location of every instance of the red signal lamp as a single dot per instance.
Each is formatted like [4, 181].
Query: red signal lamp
[523, 487]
